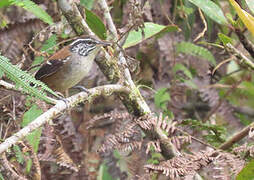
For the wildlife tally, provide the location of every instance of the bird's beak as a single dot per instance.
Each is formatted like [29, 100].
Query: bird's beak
[104, 43]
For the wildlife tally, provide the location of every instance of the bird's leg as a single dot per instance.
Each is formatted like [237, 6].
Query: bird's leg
[81, 88]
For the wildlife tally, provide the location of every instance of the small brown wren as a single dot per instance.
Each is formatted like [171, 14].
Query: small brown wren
[71, 64]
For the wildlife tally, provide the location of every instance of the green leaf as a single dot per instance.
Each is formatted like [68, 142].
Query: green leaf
[187, 10]
[103, 173]
[232, 67]
[181, 67]
[95, 23]
[87, 3]
[19, 155]
[161, 98]
[250, 4]
[247, 173]
[1, 73]
[29, 164]
[249, 87]
[212, 10]
[33, 8]
[4, 3]
[24, 80]
[224, 39]
[49, 44]
[38, 60]
[246, 18]
[3, 23]
[34, 137]
[1, 176]
[194, 50]
[151, 29]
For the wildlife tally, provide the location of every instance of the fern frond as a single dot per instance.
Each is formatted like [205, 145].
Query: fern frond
[183, 165]
[33, 8]
[64, 160]
[24, 80]
[194, 50]
[49, 44]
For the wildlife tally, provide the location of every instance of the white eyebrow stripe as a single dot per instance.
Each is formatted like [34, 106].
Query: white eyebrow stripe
[80, 40]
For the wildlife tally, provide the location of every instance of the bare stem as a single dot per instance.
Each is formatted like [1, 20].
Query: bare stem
[242, 58]
[237, 137]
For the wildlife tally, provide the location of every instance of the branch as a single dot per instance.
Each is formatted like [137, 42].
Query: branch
[74, 17]
[107, 16]
[241, 56]
[237, 137]
[246, 43]
[60, 107]
[168, 149]
[134, 102]
[7, 85]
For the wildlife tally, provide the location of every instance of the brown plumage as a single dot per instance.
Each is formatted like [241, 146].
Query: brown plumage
[71, 64]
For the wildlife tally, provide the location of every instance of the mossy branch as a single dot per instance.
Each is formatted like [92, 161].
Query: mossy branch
[134, 102]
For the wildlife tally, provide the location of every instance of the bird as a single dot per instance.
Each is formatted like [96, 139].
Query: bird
[68, 66]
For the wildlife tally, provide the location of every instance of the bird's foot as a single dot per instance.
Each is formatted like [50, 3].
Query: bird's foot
[81, 88]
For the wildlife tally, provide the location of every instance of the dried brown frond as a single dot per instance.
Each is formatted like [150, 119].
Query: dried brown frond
[16, 168]
[241, 149]
[245, 149]
[150, 121]
[7, 170]
[63, 159]
[54, 151]
[135, 164]
[166, 124]
[227, 165]
[129, 147]
[16, 36]
[183, 165]
[36, 169]
[124, 139]
[48, 142]
[100, 120]
[155, 145]
[69, 132]
[146, 122]
[92, 164]
[178, 141]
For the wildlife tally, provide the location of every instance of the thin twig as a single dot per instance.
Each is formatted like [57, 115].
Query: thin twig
[201, 34]
[7, 85]
[237, 137]
[242, 58]
[245, 42]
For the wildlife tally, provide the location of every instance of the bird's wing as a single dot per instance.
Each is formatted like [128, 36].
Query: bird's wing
[53, 64]
[49, 68]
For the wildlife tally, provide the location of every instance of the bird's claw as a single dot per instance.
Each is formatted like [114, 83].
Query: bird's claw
[81, 88]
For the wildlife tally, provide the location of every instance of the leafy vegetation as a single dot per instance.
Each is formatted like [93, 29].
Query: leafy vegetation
[195, 58]
[25, 81]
